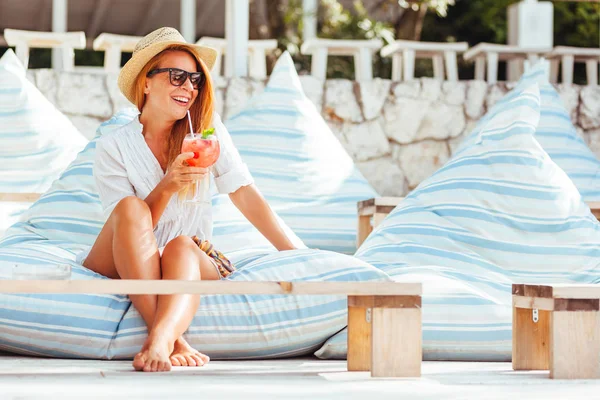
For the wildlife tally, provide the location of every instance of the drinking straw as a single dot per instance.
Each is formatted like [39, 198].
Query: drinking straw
[190, 121]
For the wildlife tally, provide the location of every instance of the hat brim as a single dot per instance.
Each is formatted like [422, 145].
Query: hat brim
[132, 68]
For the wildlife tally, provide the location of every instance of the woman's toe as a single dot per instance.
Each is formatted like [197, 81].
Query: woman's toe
[198, 360]
[190, 361]
[175, 361]
[165, 366]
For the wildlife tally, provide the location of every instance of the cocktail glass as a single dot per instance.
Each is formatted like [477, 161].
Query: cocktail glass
[206, 152]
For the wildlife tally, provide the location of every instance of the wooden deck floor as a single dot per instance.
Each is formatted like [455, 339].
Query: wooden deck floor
[24, 378]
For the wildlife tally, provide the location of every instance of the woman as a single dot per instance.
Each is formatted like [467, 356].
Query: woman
[138, 170]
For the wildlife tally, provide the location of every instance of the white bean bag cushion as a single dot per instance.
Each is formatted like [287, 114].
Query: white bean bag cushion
[67, 219]
[499, 212]
[298, 163]
[37, 142]
[557, 134]
[224, 327]
[71, 211]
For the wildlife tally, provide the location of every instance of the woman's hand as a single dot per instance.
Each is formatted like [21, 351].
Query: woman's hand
[180, 175]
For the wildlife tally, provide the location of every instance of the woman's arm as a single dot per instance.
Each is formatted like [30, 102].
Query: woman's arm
[157, 200]
[255, 208]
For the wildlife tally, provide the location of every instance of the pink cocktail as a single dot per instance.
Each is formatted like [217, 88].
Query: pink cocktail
[206, 151]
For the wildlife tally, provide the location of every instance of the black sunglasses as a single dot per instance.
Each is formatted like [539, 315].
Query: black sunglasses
[177, 76]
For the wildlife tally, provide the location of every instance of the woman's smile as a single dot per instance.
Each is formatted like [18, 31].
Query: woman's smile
[182, 101]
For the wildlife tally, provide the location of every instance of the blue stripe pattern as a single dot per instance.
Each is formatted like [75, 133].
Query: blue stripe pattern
[67, 219]
[298, 164]
[557, 135]
[224, 327]
[471, 230]
[37, 141]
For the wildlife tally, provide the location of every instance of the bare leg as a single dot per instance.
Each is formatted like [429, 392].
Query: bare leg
[126, 248]
[174, 313]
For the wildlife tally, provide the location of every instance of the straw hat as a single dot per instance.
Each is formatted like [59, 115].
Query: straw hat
[149, 46]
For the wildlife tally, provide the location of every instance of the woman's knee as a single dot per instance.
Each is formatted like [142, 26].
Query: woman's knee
[180, 245]
[178, 253]
[132, 208]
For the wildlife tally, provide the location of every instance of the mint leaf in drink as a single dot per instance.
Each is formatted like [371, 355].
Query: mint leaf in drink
[207, 132]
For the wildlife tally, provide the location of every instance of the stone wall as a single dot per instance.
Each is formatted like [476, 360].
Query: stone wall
[398, 133]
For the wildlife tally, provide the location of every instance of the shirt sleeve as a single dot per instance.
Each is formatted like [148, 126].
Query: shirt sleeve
[111, 176]
[230, 172]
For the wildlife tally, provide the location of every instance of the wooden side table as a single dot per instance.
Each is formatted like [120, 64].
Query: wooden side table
[557, 328]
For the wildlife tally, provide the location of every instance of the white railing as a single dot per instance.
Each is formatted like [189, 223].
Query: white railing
[257, 54]
[113, 45]
[66, 42]
[404, 53]
[361, 50]
[444, 56]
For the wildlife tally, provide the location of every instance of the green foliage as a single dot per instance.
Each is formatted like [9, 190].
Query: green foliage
[207, 132]
[440, 6]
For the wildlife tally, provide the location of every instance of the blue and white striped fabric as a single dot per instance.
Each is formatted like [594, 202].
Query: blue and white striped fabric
[67, 219]
[557, 134]
[224, 327]
[298, 164]
[37, 141]
[499, 212]
[71, 211]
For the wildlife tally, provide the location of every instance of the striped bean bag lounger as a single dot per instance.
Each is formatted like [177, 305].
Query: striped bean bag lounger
[298, 163]
[37, 142]
[499, 211]
[66, 221]
[557, 135]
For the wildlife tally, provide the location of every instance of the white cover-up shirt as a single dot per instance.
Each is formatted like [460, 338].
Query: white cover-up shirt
[125, 166]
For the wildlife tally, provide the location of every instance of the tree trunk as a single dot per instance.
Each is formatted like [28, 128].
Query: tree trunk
[410, 24]
[259, 26]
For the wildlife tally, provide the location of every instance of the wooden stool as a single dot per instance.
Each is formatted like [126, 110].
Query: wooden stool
[376, 209]
[569, 56]
[361, 50]
[384, 318]
[492, 53]
[557, 327]
[406, 51]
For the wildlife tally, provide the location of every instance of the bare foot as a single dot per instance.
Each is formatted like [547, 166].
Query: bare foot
[154, 356]
[185, 355]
